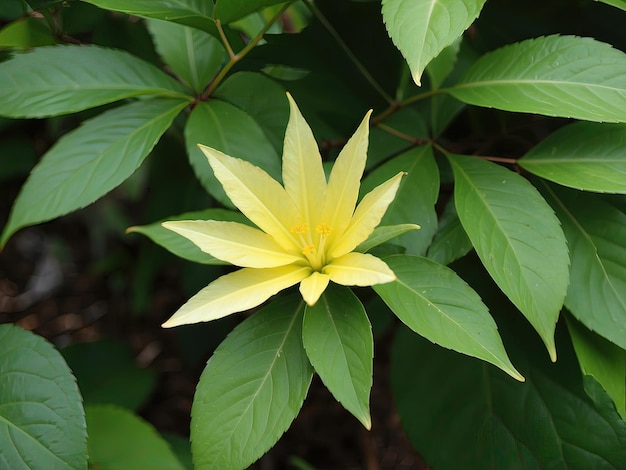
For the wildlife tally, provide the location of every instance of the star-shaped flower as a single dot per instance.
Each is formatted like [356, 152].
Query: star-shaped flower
[308, 228]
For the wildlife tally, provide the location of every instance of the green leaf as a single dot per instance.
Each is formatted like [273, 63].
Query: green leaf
[251, 389]
[181, 246]
[517, 237]
[621, 4]
[42, 424]
[25, 33]
[488, 421]
[584, 155]
[106, 373]
[450, 242]
[383, 234]
[57, 80]
[224, 127]
[421, 29]
[596, 235]
[437, 304]
[415, 199]
[90, 161]
[120, 439]
[337, 337]
[601, 360]
[563, 76]
[193, 55]
[442, 65]
[228, 11]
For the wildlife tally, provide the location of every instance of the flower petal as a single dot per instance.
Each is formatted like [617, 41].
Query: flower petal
[257, 195]
[367, 216]
[303, 174]
[313, 287]
[345, 180]
[359, 269]
[234, 243]
[235, 292]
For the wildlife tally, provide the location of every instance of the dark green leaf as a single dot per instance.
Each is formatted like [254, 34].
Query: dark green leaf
[450, 242]
[228, 11]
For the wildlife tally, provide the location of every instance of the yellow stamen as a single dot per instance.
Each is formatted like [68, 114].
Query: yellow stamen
[299, 229]
[324, 229]
[307, 250]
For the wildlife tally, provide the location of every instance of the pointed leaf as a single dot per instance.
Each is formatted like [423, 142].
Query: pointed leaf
[450, 242]
[563, 76]
[421, 29]
[437, 304]
[65, 79]
[585, 155]
[42, 424]
[120, 439]
[517, 237]
[251, 389]
[337, 336]
[383, 234]
[621, 4]
[228, 11]
[88, 162]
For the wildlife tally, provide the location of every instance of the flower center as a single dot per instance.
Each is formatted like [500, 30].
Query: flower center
[313, 246]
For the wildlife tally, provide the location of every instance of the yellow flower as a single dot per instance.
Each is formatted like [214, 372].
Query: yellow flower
[307, 227]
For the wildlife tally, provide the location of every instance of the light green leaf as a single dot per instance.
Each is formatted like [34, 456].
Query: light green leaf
[415, 200]
[601, 360]
[224, 127]
[584, 155]
[517, 237]
[228, 11]
[421, 29]
[251, 389]
[450, 242]
[90, 161]
[181, 246]
[563, 76]
[120, 439]
[621, 4]
[437, 304]
[337, 336]
[193, 55]
[442, 65]
[383, 234]
[57, 80]
[42, 424]
[25, 33]
[596, 235]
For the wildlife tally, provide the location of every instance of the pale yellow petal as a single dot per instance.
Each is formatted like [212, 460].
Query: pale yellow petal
[234, 243]
[345, 179]
[236, 292]
[257, 195]
[367, 216]
[359, 269]
[303, 174]
[313, 287]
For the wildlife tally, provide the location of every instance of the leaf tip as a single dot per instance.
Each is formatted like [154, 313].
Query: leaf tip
[417, 78]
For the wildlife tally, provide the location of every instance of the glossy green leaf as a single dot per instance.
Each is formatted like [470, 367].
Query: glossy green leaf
[517, 237]
[421, 29]
[621, 4]
[42, 424]
[450, 242]
[596, 235]
[25, 33]
[437, 304]
[90, 161]
[601, 360]
[442, 65]
[488, 421]
[181, 246]
[384, 233]
[584, 155]
[337, 336]
[563, 76]
[251, 389]
[415, 199]
[228, 11]
[224, 127]
[120, 439]
[193, 55]
[57, 80]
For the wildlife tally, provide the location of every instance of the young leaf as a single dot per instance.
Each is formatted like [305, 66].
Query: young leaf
[621, 4]
[415, 199]
[437, 304]
[563, 76]
[421, 29]
[228, 11]
[517, 237]
[90, 161]
[26, 33]
[42, 424]
[251, 389]
[181, 246]
[224, 127]
[596, 235]
[450, 242]
[120, 439]
[55, 80]
[337, 336]
[193, 55]
[584, 155]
